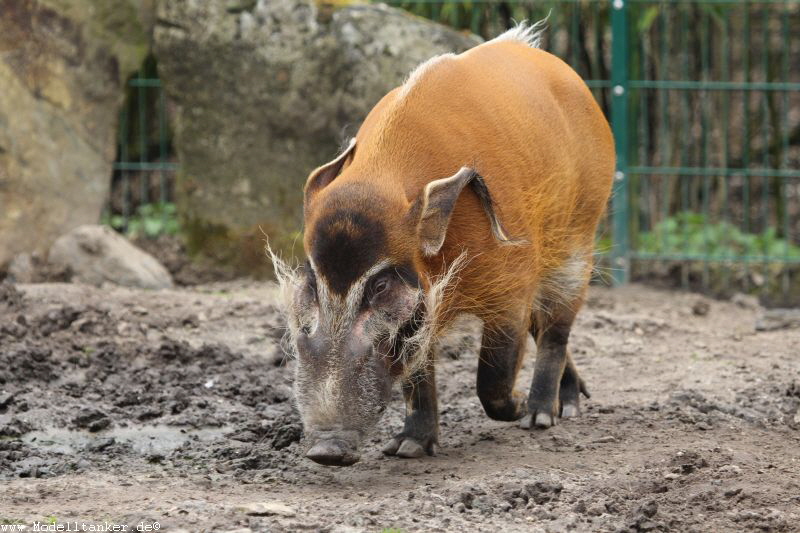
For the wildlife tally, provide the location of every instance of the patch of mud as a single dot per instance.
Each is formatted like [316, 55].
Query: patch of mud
[80, 378]
[176, 406]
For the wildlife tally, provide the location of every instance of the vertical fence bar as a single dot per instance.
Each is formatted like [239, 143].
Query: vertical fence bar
[783, 212]
[704, 98]
[643, 189]
[123, 156]
[726, 134]
[765, 180]
[574, 31]
[620, 124]
[141, 103]
[162, 151]
[746, 141]
[686, 127]
[665, 157]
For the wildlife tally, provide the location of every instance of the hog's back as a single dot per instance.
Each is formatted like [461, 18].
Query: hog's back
[529, 125]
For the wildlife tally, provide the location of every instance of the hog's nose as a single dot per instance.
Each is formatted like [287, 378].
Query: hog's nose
[333, 452]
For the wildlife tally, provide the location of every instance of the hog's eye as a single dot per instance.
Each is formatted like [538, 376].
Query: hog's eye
[379, 286]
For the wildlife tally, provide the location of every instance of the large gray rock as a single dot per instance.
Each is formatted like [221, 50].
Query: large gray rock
[97, 255]
[267, 90]
[63, 66]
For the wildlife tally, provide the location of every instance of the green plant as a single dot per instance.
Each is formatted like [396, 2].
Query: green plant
[149, 220]
[690, 233]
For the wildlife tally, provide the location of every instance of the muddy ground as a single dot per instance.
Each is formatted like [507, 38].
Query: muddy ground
[133, 407]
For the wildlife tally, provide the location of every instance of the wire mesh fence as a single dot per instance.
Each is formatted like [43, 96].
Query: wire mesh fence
[704, 101]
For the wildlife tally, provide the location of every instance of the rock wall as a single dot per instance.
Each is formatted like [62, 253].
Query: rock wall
[63, 66]
[265, 91]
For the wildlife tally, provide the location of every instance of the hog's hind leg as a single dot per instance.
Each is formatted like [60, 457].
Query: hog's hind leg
[551, 362]
[421, 428]
[556, 386]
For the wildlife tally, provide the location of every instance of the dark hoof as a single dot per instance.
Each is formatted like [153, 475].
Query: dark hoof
[333, 453]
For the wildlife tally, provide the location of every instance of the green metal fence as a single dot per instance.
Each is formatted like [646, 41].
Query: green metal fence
[704, 100]
[722, 201]
[144, 172]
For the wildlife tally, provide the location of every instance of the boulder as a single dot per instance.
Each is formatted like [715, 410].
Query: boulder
[264, 92]
[63, 68]
[97, 254]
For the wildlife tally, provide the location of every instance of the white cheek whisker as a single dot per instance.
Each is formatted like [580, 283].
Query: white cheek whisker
[416, 348]
[289, 283]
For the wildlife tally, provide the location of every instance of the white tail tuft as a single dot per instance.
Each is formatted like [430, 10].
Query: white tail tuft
[529, 34]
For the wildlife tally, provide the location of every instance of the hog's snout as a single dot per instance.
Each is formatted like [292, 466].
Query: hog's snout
[334, 452]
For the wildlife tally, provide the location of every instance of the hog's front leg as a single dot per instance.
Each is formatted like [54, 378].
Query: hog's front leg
[502, 352]
[421, 429]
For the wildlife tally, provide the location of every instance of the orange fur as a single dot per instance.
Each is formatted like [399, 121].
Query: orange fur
[529, 125]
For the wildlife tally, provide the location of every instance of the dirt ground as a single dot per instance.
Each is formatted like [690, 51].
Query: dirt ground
[132, 407]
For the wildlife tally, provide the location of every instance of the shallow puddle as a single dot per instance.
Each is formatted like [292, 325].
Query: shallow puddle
[144, 440]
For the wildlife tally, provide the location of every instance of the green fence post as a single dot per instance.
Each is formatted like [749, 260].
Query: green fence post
[620, 44]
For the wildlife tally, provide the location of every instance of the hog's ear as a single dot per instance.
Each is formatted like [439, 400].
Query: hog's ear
[320, 177]
[436, 204]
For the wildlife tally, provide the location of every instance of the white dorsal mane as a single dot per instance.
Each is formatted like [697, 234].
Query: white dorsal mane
[523, 32]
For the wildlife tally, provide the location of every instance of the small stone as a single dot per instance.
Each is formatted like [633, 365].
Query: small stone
[266, 509]
[730, 493]
[101, 444]
[606, 439]
[91, 419]
[156, 458]
[459, 507]
[191, 321]
[745, 301]
[730, 469]
[649, 509]
[700, 308]
[467, 498]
